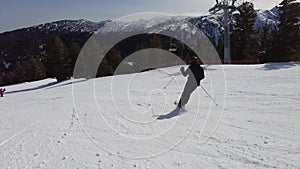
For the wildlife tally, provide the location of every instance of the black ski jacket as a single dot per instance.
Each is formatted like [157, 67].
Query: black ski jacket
[195, 72]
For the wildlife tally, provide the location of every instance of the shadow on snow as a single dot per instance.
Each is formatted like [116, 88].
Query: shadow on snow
[176, 112]
[33, 88]
[277, 66]
[45, 86]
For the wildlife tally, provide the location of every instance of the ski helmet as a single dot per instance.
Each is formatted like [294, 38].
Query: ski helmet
[193, 59]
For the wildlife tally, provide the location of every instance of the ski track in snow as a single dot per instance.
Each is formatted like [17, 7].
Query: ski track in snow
[14, 136]
[41, 129]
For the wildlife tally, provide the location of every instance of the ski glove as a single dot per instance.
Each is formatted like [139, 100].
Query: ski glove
[182, 69]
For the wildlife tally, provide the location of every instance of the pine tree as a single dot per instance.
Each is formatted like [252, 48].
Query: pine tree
[8, 77]
[114, 58]
[2, 74]
[18, 73]
[265, 43]
[2, 66]
[105, 69]
[286, 44]
[244, 37]
[155, 41]
[56, 61]
[1, 81]
[73, 52]
[38, 69]
[29, 72]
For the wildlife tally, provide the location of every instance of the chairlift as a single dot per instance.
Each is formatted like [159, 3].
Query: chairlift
[173, 47]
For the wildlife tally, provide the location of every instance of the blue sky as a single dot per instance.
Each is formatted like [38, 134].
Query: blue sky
[22, 13]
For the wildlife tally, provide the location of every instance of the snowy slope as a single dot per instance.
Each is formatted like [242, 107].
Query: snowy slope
[41, 126]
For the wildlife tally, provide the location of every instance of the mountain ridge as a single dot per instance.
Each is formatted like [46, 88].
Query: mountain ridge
[212, 21]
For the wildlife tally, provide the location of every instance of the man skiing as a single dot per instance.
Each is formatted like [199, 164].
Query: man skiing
[2, 92]
[195, 74]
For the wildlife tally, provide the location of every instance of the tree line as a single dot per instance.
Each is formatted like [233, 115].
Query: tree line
[278, 44]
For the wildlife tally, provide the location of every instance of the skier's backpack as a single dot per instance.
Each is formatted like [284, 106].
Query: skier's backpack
[202, 76]
[198, 72]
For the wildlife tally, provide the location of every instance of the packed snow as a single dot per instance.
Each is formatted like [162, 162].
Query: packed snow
[112, 122]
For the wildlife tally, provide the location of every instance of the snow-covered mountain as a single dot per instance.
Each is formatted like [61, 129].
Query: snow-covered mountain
[269, 17]
[211, 24]
[69, 26]
[61, 27]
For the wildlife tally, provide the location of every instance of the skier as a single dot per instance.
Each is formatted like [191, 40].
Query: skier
[2, 91]
[195, 74]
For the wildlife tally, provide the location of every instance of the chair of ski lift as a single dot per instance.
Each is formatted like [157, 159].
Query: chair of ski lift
[173, 47]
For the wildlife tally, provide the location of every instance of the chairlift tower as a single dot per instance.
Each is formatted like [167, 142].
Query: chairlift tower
[228, 6]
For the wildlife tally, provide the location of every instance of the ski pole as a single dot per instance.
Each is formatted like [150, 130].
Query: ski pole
[169, 82]
[208, 95]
